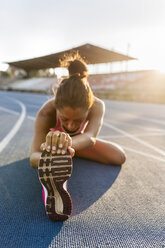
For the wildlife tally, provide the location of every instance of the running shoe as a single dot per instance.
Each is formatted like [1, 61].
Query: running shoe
[54, 170]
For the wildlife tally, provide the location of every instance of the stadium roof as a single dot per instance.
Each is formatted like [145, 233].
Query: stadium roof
[92, 55]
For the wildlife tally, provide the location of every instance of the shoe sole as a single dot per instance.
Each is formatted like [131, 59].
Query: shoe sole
[53, 171]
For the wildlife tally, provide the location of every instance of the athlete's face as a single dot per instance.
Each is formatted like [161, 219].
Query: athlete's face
[71, 119]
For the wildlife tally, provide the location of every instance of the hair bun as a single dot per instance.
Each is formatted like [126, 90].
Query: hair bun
[77, 68]
[78, 75]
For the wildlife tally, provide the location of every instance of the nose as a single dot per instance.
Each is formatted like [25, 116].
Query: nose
[71, 126]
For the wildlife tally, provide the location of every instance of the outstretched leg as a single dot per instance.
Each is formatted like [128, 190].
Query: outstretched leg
[104, 152]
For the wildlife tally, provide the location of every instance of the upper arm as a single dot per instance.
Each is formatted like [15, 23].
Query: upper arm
[95, 118]
[45, 119]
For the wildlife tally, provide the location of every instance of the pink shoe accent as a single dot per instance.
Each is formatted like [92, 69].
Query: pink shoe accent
[43, 195]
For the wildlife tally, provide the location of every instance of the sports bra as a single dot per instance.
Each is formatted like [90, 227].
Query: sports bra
[59, 127]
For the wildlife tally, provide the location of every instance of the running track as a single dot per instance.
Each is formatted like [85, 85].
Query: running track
[113, 206]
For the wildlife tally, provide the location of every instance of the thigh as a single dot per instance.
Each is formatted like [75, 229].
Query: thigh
[104, 152]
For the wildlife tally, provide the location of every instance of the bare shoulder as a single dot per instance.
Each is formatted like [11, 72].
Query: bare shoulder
[98, 103]
[95, 117]
[46, 117]
[98, 108]
[48, 110]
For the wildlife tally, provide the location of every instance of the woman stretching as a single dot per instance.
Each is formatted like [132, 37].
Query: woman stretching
[65, 126]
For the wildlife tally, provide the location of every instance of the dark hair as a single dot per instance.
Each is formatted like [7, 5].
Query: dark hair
[75, 91]
[77, 66]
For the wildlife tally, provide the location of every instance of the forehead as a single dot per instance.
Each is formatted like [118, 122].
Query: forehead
[71, 113]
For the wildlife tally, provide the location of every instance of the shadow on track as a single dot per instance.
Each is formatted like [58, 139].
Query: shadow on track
[23, 220]
[89, 181]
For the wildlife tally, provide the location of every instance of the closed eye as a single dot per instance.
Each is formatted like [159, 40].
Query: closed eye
[64, 119]
[77, 121]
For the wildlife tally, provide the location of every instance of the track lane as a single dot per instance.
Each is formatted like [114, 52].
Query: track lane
[15, 128]
[129, 207]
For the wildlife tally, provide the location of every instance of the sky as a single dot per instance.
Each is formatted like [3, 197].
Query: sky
[32, 28]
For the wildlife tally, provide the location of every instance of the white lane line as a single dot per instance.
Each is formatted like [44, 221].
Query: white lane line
[161, 131]
[9, 111]
[16, 127]
[33, 105]
[147, 119]
[135, 138]
[152, 120]
[155, 129]
[16, 113]
[136, 135]
[126, 123]
[124, 134]
[31, 118]
[148, 155]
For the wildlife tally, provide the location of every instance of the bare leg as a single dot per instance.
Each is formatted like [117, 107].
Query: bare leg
[103, 152]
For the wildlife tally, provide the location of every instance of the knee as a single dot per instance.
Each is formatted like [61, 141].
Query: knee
[122, 158]
[32, 162]
[119, 159]
[34, 159]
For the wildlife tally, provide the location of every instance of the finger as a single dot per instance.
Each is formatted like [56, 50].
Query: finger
[48, 142]
[57, 133]
[69, 139]
[42, 147]
[55, 138]
[62, 140]
[59, 151]
[65, 147]
[72, 151]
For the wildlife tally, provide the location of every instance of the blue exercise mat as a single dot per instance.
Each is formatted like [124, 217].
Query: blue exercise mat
[23, 220]
[110, 208]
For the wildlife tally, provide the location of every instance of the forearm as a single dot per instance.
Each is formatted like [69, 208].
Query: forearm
[79, 142]
[34, 159]
[82, 141]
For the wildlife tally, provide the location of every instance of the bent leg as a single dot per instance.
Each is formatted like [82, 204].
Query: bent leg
[104, 152]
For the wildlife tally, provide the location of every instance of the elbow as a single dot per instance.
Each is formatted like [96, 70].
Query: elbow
[92, 141]
[33, 161]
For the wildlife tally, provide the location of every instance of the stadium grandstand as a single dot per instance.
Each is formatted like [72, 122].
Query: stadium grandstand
[147, 85]
[90, 53]
[41, 71]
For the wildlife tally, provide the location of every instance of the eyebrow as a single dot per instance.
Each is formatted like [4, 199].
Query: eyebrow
[79, 119]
